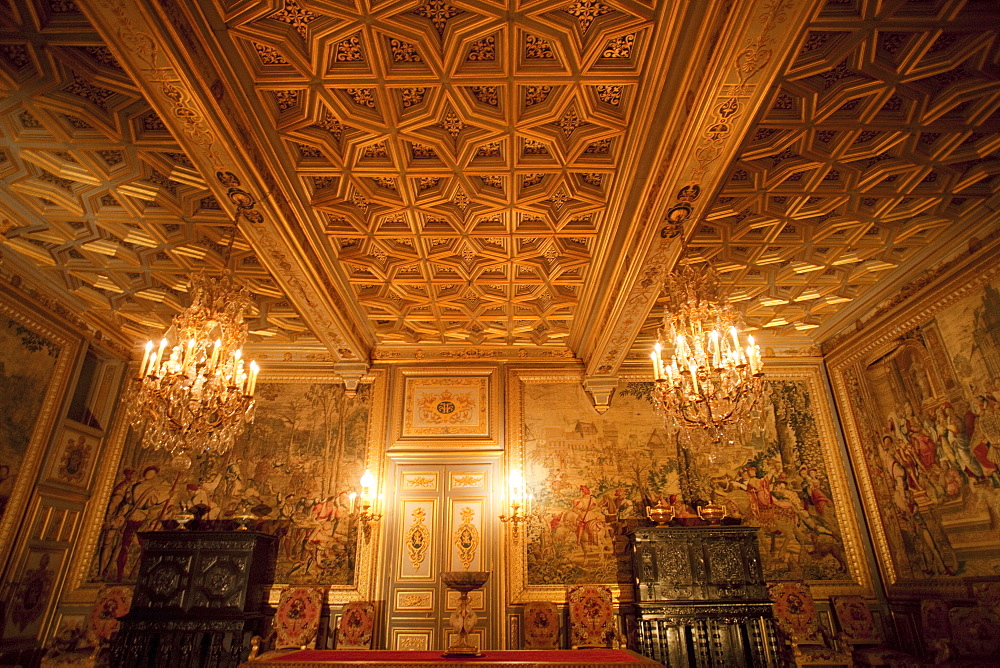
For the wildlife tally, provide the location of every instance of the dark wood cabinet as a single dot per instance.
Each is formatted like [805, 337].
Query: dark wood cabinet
[200, 597]
[701, 599]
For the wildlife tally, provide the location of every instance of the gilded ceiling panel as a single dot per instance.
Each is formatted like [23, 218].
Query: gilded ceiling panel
[879, 149]
[487, 172]
[98, 197]
[460, 163]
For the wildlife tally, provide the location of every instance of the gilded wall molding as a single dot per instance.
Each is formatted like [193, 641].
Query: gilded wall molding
[476, 388]
[13, 309]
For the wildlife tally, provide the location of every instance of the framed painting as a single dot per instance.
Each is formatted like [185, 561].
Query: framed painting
[593, 475]
[919, 394]
[37, 361]
[294, 469]
[446, 407]
[73, 455]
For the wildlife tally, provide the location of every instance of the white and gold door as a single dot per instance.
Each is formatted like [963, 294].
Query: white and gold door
[440, 519]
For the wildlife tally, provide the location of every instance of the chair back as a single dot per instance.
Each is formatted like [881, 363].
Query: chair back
[112, 603]
[986, 594]
[856, 622]
[296, 621]
[541, 625]
[357, 625]
[934, 624]
[795, 612]
[591, 616]
[974, 632]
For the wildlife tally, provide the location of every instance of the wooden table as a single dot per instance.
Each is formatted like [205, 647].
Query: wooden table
[566, 658]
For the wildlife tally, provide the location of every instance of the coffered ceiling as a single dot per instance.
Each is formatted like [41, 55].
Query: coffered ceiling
[876, 155]
[491, 177]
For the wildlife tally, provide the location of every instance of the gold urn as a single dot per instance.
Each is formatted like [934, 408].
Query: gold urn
[712, 513]
[661, 513]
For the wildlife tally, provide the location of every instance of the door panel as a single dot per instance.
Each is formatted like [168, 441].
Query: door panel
[444, 522]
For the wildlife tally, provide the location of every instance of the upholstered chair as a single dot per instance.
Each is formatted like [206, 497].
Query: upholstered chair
[357, 625]
[803, 640]
[90, 648]
[592, 620]
[541, 625]
[975, 636]
[296, 620]
[986, 594]
[935, 628]
[864, 637]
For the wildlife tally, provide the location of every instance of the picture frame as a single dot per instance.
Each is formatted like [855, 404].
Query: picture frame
[446, 407]
[907, 382]
[126, 452]
[19, 466]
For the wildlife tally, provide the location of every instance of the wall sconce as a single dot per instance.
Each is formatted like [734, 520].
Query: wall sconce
[369, 509]
[516, 506]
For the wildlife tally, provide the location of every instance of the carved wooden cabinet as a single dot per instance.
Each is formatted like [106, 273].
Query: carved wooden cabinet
[200, 597]
[701, 599]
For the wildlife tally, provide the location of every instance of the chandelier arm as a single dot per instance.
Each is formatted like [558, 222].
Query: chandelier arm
[712, 380]
[195, 391]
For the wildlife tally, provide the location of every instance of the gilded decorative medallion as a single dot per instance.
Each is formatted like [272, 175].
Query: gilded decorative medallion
[466, 538]
[417, 538]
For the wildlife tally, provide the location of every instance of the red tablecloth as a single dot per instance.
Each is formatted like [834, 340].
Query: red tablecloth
[576, 658]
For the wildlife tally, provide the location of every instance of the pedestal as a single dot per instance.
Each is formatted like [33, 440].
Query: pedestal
[463, 620]
[701, 599]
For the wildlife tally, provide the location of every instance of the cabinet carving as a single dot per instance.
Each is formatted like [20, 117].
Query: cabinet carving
[701, 599]
[199, 598]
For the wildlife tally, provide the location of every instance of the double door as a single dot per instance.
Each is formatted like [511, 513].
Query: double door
[442, 519]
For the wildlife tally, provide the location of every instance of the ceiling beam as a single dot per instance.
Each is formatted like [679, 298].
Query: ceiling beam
[730, 72]
[196, 103]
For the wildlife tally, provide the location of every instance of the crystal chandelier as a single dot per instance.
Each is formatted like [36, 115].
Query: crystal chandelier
[711, 381]
[194, 392]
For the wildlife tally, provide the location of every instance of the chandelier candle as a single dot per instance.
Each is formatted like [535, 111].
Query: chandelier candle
[195, 392]
[711, 381]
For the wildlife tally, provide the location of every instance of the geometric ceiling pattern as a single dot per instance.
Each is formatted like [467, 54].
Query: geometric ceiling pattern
[460, 166]
[98, 197]
[493, 174]
[879, 148]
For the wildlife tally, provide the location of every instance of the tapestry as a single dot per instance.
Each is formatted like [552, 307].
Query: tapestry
[925, 413]
[27, 363]
[592, 476]
[292, 470]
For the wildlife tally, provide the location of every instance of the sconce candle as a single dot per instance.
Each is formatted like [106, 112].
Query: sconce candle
[515, 506]
[371, 502]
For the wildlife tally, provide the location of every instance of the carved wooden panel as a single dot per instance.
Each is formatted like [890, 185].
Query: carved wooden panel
[426, 481]
[418, 537]
[466, 534]
[467, 480]
[443, 528]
